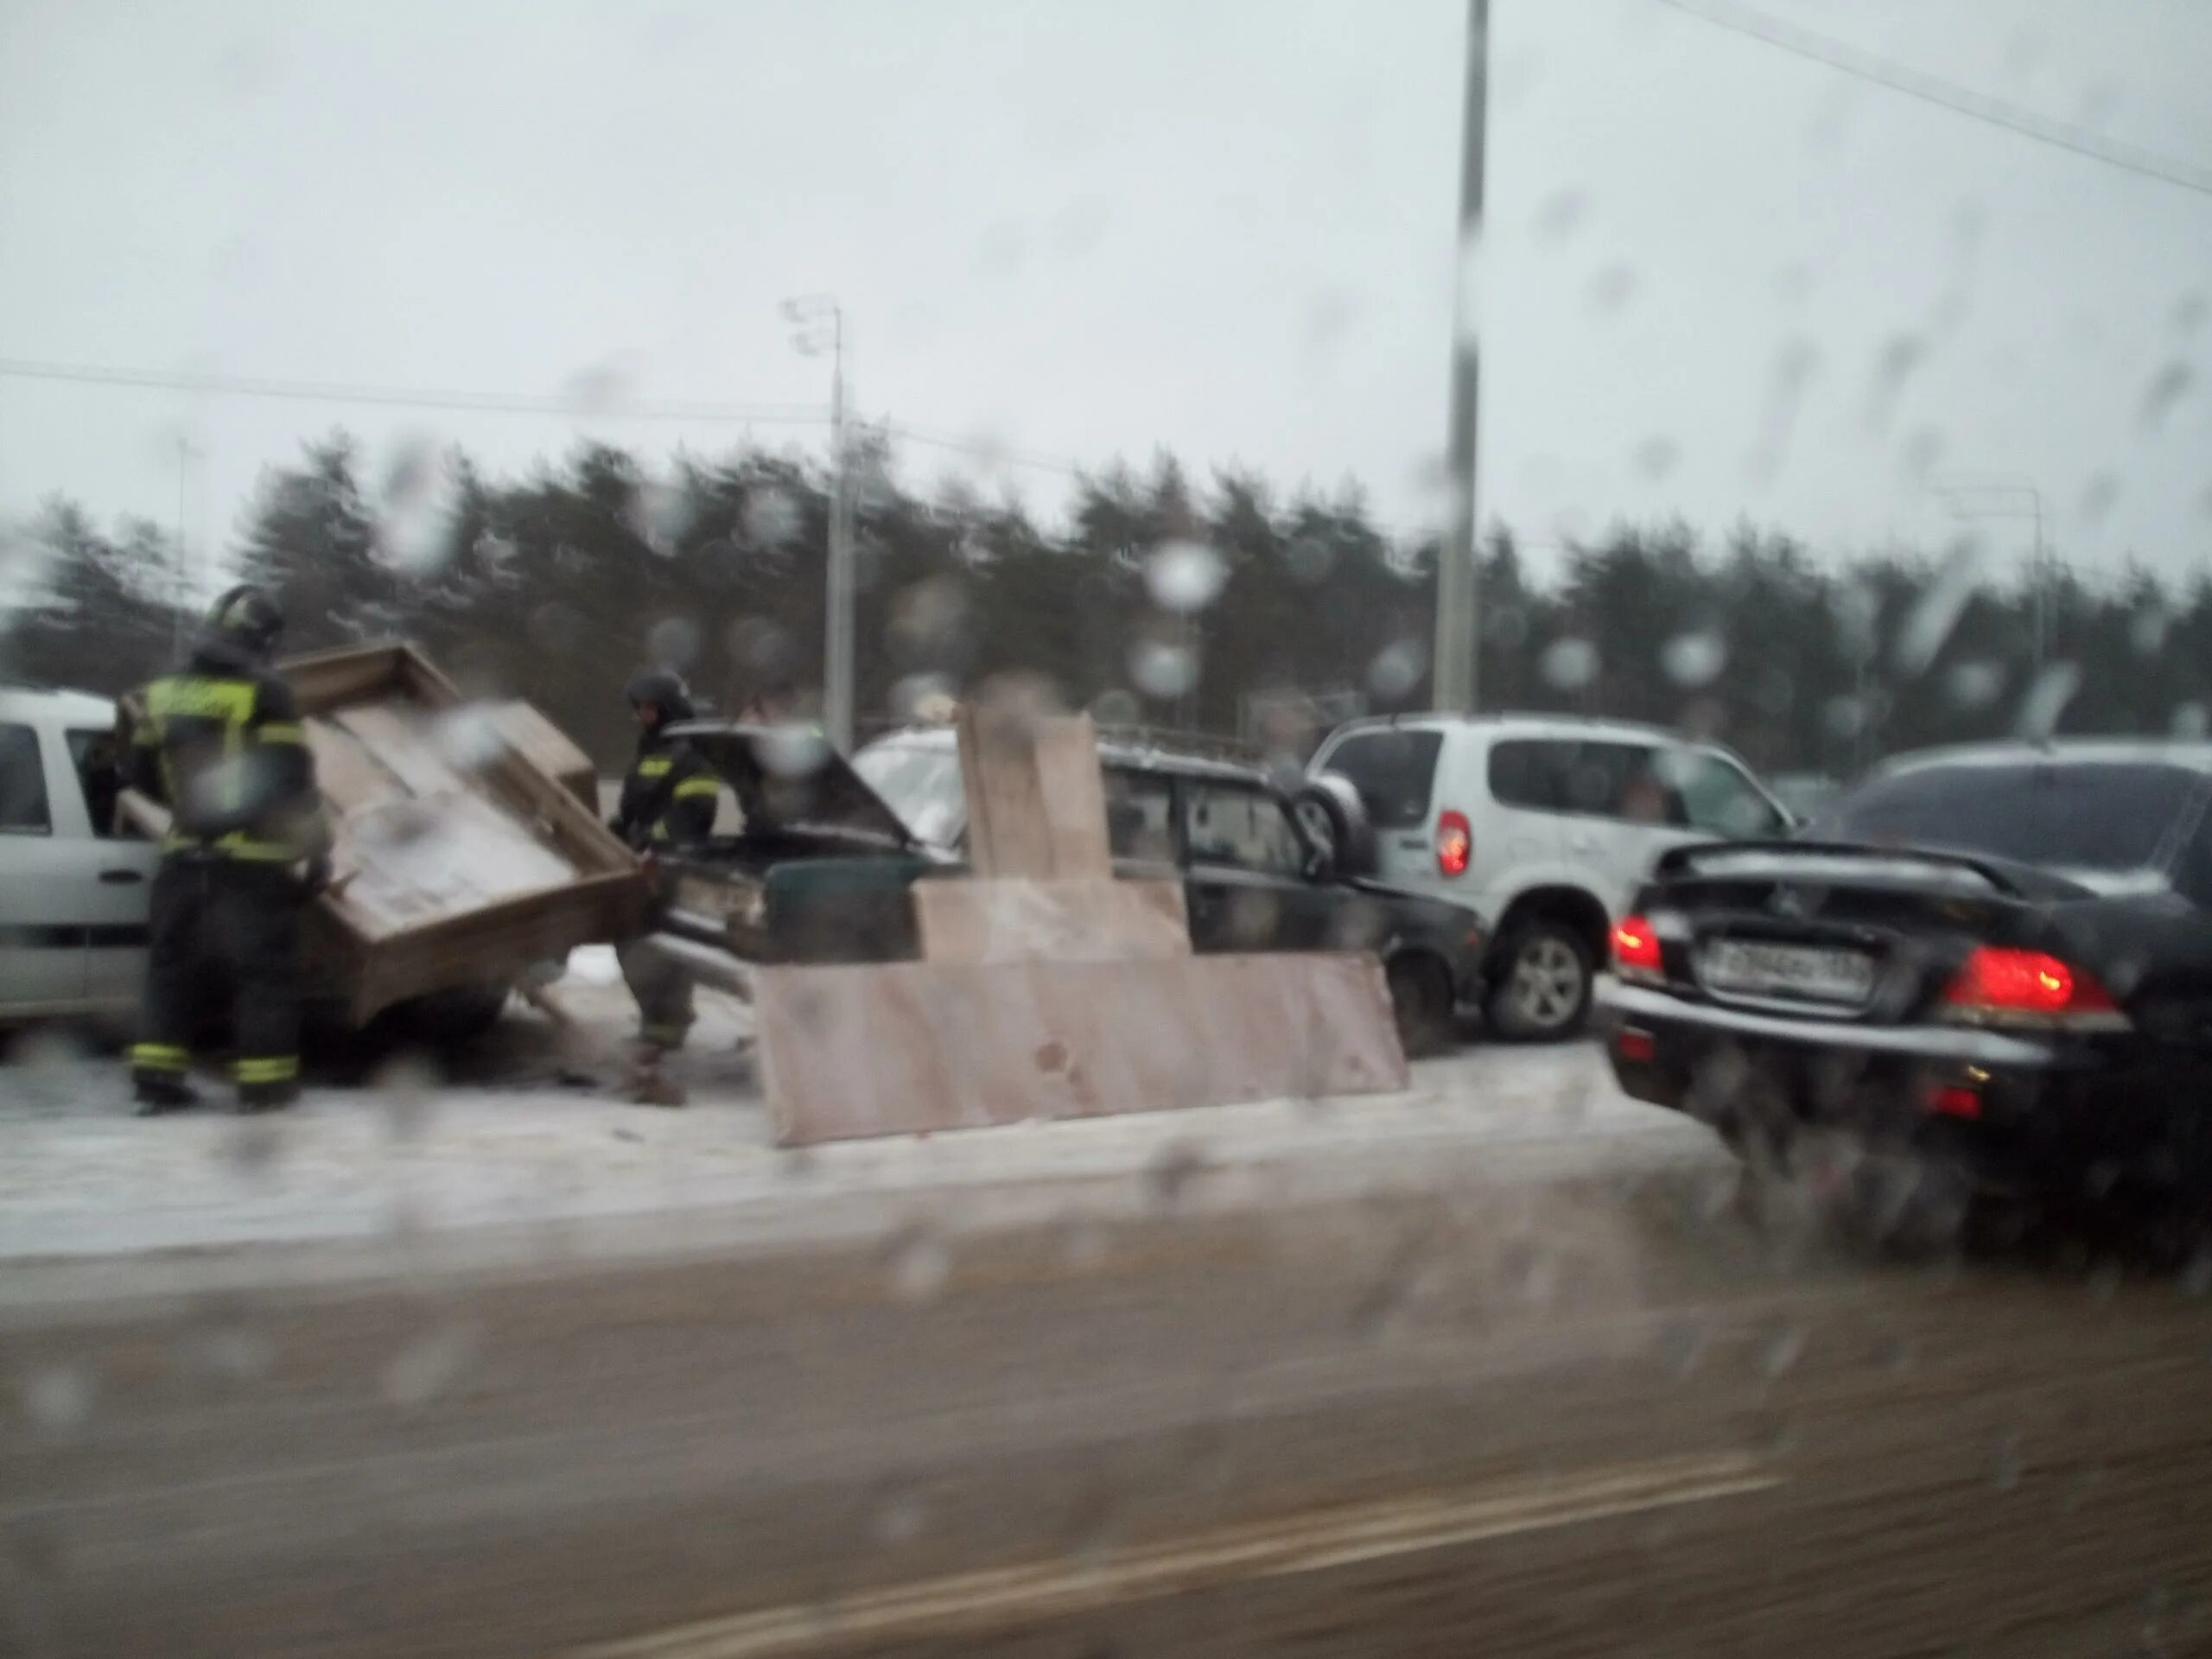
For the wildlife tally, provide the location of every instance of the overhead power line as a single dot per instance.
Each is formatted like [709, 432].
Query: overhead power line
[507, 402]
[1930, 89]
[575, 405]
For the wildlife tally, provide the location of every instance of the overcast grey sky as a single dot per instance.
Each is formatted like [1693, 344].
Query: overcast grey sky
[1085, 227]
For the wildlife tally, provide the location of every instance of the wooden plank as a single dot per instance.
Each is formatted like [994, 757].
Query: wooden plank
[1074, 794]
[1046, 921]
[547, 747]
[848, 1053]
[1036, 803]
[407, 747]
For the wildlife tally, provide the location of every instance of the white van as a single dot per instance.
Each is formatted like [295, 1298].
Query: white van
[73, 894]
[1544, 825]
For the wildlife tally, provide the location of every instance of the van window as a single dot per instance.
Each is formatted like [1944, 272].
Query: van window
[22, 784]
[1394, 773]
[1614, 781]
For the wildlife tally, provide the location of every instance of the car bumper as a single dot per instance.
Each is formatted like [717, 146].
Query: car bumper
[2015, 1111]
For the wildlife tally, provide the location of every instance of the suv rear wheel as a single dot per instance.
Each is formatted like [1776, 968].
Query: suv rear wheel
[1542, 991]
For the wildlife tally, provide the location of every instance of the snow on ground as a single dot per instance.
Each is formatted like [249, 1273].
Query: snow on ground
[530, 1128]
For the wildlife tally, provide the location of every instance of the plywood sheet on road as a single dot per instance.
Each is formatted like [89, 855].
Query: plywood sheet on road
[1067, 921]
[848, 1053]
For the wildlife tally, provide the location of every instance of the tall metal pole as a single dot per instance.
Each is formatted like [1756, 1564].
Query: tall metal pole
[1458, 637]
[804, 313]
[838, 597]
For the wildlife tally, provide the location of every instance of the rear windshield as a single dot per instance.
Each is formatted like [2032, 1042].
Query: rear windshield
[1392, 771]
[2077, 815]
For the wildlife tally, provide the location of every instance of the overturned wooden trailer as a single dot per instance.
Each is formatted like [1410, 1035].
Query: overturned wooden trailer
[468, 850]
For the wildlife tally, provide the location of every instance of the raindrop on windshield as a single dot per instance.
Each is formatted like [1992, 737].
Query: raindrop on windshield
[1569, 665]
[1185, 575]
[1694, 659]
[1163, 669]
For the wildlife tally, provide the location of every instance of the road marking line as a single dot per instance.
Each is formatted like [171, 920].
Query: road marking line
[972, 1603]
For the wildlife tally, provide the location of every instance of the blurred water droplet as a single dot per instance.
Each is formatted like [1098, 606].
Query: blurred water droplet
[469, 737]
[1681, 1344]
[761, 649]
[598, 388]
[2046, 701]
[1658, 457]
[555, 629]
[58, 1398]
[659, 515]
[1694, 658]
[2006, 1465]
[1185, 575]
[1905, 1355]
[900, 1518]
[1844, 716]
[928, 698]
[1782, 1352]
[1976, 684]
[1938, 610]
[930, 623]
[2167, 388]
[1796, 362]
[1173, 1170]
[428, 1365]
[1568, 664]
[673, 642]
[406, 1086]
[1612, 287]
[2147, 629]
[416, 511]
[2197, 1277]
[1162, 669]
[234, 1352]
[2098, 496]
[252, 1145]
[2191, 721]
[1561, 214]
[1901, 354]
[791, 751]
[920, 1265]
[1115, 708]
[2188, 312]
[1309, 559]
[772, 516]
[1397, 669]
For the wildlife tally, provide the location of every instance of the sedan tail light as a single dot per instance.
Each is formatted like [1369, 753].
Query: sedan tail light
[1455, 843]
[1636, 950]
[2000, 986]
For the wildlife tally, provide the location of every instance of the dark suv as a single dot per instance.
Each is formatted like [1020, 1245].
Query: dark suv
[820, 870]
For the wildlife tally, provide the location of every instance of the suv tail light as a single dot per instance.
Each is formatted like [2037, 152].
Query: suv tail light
[1455, 843]
[2000, 986]
[1636, 950]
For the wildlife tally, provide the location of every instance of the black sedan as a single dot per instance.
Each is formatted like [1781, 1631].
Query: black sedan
[1992, 965]
[821, 867]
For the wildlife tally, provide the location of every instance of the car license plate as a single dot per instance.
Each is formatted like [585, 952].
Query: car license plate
[1806, 973]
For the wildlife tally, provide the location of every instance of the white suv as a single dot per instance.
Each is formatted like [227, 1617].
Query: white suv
[72, 894]
[1544, 825]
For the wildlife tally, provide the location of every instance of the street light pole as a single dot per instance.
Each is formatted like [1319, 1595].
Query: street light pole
[810, 314]
[1457, 638]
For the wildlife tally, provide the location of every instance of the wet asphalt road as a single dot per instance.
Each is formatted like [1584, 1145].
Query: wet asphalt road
[1578, 1417]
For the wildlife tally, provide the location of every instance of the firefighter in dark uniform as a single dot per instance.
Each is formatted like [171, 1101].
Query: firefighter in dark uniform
[668, 799]
[220, 744]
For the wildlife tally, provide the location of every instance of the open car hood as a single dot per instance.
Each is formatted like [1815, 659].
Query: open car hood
[791, 778]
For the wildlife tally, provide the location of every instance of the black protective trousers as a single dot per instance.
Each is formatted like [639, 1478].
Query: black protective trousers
[225, 939]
